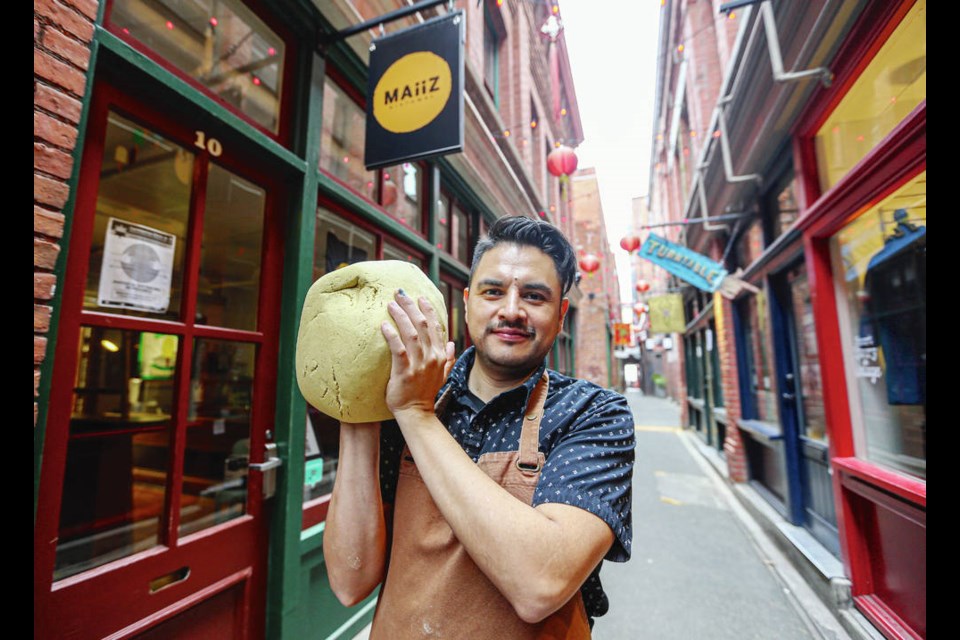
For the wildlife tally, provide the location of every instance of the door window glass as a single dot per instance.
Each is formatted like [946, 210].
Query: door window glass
[230, 256]
[219, 43]
[118, 451]
[140, 228]
[759, 349]
[813, 419]
[880, 270]
[218, 434]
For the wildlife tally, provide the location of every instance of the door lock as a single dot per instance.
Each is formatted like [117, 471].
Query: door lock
[269, 469]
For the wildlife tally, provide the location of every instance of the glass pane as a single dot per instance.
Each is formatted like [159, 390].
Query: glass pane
[139, 231]
[218, 434]
[229, 285]
[880, 267]
[322, 453]
[443, 222]
[750, 245]
[786, 210]
[760, 366]
[115, 479]
[391, 252]
[456, 323]
[459, 233]
[813, 416]
[402, 191]
[339, 243]
[219, 43]
[891, 86]
[342, 140]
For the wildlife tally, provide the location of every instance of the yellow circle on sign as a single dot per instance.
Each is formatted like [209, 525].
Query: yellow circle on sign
[412, 92]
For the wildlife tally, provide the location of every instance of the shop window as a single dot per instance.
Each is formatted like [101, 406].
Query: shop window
[879, 265]
[342, 141]
[492, 38]
[888, 89]
[391, 252]
[749, 245]
[562, 354]
[220, 44]
[760, 401]
[401, 194]
[452, 291]
[780, 208]
[453, 228]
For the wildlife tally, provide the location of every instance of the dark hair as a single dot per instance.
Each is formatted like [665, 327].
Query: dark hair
[531, 232]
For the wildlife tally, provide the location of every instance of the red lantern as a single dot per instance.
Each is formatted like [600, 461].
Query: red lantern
[389, 193]
[589, 263]
[642, 286]
[562, 161]
[640, 308]
[630, 242]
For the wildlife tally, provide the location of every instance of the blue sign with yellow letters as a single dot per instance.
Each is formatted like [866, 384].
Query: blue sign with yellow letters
[690, 266]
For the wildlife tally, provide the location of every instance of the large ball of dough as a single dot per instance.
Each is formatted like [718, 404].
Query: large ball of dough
[343, 361]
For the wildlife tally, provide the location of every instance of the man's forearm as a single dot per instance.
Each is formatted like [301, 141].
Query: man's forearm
[354, 538]
[537, 558]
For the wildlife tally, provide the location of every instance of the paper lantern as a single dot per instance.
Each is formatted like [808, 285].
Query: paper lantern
[389, 196]
[642, 286]
[562, 161]
[640, 308]
[589, 263]
[630, 242]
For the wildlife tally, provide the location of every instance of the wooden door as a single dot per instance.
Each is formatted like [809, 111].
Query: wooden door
[150, 523]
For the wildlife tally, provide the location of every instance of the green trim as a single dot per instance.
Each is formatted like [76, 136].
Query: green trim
[315, 530]
[365, 610]
[46, 367]
[284, 574]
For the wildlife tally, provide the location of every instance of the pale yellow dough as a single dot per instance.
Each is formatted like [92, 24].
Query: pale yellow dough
[343, 361]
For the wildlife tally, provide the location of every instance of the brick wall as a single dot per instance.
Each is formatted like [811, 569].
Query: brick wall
[62, 31]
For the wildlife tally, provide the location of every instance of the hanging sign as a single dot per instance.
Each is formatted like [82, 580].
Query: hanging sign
[415, 93]
[621, 334]
[137, 267]
[666, 314]
[690, 266]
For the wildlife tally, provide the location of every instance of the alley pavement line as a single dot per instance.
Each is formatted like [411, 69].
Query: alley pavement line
[656, 428]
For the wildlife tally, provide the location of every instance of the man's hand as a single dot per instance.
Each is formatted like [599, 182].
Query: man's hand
[421, 358]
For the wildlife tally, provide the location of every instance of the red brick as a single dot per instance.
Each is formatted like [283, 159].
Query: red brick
[36, 31]
[66, 18]
[44, 286]
[53, 161]
[59, 73]
[87, 7]
[50, 191]
[48, 129]
[49, 99]
[68, 48]
[41, 318]
[39, 349]
[48, 223]
[45, 253]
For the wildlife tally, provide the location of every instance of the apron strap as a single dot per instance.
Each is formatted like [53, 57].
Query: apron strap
[529, 460]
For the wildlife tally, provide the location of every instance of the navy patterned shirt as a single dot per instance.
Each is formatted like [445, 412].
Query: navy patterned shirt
[586, 436]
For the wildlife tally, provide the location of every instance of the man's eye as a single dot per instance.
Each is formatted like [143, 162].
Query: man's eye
[492, 292]
[536, 297]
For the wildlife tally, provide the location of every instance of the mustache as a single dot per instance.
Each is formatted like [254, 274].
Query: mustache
[516, 326]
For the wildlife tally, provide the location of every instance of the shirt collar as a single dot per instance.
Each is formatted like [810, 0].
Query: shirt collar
[457, 380]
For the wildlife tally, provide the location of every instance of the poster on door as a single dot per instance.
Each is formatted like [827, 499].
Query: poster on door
[137, 267]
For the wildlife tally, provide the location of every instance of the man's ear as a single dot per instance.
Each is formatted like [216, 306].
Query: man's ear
[564, 305]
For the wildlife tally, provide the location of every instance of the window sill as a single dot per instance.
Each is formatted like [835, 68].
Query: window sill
[765, 432]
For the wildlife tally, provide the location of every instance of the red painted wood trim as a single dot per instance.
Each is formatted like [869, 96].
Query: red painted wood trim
[315, 511]
[910, 489]
[888, 622]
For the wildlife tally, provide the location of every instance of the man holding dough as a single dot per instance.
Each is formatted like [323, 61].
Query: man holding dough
[488, 505]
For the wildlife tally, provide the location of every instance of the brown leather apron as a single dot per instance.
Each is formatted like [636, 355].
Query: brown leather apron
[433, 589]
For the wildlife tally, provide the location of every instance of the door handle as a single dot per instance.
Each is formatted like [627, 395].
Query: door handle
[269, 469]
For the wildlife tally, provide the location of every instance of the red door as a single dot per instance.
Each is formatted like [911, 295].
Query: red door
[151, 517]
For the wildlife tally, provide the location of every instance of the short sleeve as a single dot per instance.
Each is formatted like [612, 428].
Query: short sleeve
[590, 466]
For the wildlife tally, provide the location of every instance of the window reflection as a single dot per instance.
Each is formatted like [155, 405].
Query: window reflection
[759, 348]
[879, 263]
[401, 194]
[219, 43]
[118, 452]
[342, 141]
[218, 434]
[339, 243]
[140, 227]
[229, 284]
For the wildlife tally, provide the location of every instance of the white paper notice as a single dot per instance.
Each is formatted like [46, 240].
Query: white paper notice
[137, 267]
